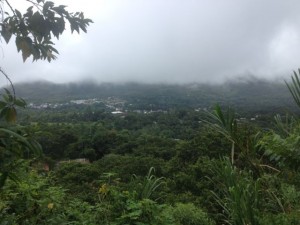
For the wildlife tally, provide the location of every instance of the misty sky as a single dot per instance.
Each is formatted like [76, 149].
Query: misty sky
[170, 41]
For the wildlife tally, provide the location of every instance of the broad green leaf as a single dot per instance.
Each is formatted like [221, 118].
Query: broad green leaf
[82, 26]
[30, 9]
[6, 34]
[25, 46]
[20, 102]
[11, 115]
[19, 15]
[48, 5]
[35, 52]
[60, 9]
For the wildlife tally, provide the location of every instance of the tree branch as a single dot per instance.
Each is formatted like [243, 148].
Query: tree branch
[38, 6]
[11, 84]
[11, 8]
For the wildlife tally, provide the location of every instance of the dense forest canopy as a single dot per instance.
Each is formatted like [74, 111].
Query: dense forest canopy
[150, 166]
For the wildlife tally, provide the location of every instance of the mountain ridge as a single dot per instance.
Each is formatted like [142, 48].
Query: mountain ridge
[250, 94]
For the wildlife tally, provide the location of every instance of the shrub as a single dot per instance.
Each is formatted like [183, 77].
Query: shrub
[188, 214]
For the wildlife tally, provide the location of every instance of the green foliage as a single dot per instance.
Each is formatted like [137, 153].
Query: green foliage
[294, 87]
[283, 151]
[224, 123]
[143, 212]
[285, 125]
[150, 184]
[15, 144]
[34, 29]
[126, 166]
[281, 219]
[189, 214]
[8, 106]
[238, 195]
[79, 179]
[31, 201]
[192, 185]
[290, 197]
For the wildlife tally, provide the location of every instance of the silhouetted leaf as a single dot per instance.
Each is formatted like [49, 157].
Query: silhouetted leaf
[6, 34]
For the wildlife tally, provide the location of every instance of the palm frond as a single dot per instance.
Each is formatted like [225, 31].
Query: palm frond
[294, 87]
[223, 122]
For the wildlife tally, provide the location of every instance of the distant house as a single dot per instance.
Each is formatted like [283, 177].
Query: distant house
[41, 166]
[117, 112]
[85, 101]
[79, 160]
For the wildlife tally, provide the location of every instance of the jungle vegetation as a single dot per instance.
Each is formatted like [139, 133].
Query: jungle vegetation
[177, 166]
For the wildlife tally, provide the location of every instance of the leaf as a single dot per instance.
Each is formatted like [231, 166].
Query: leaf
[294, 87]
[11, 115]
[54, 50]
[6, 34]
[74, 26]
[18, 43]
[60, 9]
[37, 24]
[30, 9]
[25, 45]
[36, 53]
[46, 6]
[61, 25]
[19, 15]
[20, 102]
[8, 96]
[87, 21]
[82, 26]
[58, 27]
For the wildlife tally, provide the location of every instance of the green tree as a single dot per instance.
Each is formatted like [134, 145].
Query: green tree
[33, 31]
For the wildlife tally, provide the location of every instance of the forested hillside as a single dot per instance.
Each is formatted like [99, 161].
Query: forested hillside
[248, 96]
[161, 159]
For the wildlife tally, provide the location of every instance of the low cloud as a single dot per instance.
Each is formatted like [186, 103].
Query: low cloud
[172, 41]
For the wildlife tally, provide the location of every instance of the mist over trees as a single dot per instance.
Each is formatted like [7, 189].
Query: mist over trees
[253, 96]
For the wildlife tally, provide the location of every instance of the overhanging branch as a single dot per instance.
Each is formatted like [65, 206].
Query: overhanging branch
[11, 84]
